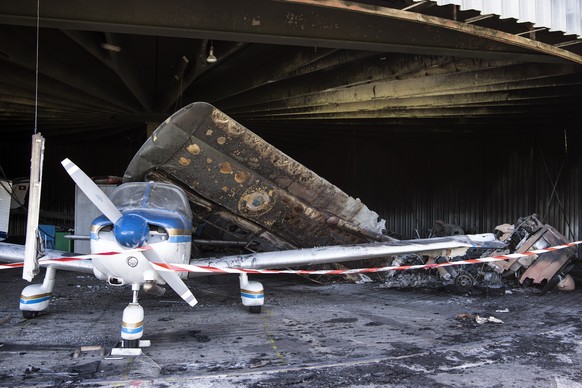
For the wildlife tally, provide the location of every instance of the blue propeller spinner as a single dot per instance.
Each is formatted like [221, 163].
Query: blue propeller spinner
[131, 230]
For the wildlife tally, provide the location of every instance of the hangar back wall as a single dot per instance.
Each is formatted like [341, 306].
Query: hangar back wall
[473, 179]
[477, 180]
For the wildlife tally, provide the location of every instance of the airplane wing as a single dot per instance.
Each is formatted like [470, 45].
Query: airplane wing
[68, 261]
[446, 246]
[243, 189]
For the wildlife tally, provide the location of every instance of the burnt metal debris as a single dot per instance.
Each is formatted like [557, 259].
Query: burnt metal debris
[248, 196]
[547, 270]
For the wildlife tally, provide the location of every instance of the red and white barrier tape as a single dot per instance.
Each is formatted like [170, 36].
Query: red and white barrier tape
[14, 265]
[207, 269]
[218, 270]
[75, 258]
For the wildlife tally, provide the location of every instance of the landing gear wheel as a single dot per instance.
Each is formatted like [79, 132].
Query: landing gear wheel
[131, 344]
[29, 314]
[255, 309]
[464, 282]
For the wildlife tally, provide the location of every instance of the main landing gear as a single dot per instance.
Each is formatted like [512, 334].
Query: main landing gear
[252, 294]
[36, 297]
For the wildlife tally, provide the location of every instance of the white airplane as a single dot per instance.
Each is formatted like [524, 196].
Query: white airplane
[144, 239]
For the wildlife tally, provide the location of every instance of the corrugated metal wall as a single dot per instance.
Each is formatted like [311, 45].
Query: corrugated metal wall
[475, 180]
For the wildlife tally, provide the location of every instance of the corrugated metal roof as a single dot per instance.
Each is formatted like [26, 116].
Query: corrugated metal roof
[557, 15]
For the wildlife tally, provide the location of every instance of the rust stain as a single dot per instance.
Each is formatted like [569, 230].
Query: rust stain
[234, 128]
[298, 209]
[184, 161]
[209, 160]
[280, 162]
[311, 213]
[193, 148]
[241, 176]
[253, 163]
[226, 123]
[225, 168]
[219, 117]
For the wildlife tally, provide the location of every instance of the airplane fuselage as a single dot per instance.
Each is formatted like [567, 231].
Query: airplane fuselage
[166, 230]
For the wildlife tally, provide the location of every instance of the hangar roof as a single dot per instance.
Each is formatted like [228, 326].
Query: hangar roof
[107, 68]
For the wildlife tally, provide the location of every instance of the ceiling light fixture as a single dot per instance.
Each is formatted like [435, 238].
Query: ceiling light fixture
[211, 58]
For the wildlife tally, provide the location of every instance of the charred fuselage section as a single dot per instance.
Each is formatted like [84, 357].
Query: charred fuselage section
[245, 191]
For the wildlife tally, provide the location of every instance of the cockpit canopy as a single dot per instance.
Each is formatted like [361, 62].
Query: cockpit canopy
[151, 195]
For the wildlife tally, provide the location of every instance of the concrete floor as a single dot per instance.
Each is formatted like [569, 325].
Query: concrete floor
[308, 335]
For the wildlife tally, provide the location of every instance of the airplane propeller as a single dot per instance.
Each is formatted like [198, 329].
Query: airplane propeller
[171, 277]
[92, 191]
[130, 231]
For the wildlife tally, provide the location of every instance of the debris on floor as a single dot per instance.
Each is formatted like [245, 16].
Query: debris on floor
[477, 318]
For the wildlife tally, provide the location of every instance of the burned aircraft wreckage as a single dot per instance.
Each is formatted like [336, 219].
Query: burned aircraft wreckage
[549, 270]
[248, 196]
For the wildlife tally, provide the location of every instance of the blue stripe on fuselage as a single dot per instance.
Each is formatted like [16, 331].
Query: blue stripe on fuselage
[165, 219]
[169, 220]
[252, 296]
[172, 239]
[180, 239]
[33, 301]
[131, 331]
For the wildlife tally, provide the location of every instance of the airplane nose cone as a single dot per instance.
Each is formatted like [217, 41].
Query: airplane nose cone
[131, 231]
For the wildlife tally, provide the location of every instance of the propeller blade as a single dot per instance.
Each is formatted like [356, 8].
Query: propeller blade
[171, 277]
[104, 204]
[92, 191]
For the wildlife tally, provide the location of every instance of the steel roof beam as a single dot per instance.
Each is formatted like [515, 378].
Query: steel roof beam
[327, 23]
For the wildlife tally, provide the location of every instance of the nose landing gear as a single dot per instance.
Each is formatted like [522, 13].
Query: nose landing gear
[132, 324]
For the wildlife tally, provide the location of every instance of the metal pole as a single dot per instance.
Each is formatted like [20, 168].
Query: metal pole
[30, 268]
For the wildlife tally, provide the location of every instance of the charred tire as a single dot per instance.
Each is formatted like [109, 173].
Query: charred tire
[30, 314]
[464, 282]
[131, 344]
[255, 309]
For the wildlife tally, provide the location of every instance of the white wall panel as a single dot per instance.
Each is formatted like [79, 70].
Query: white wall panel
[5, 196]
[557, 15]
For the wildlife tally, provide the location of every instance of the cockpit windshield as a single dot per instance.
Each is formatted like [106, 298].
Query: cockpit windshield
[151, 195]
